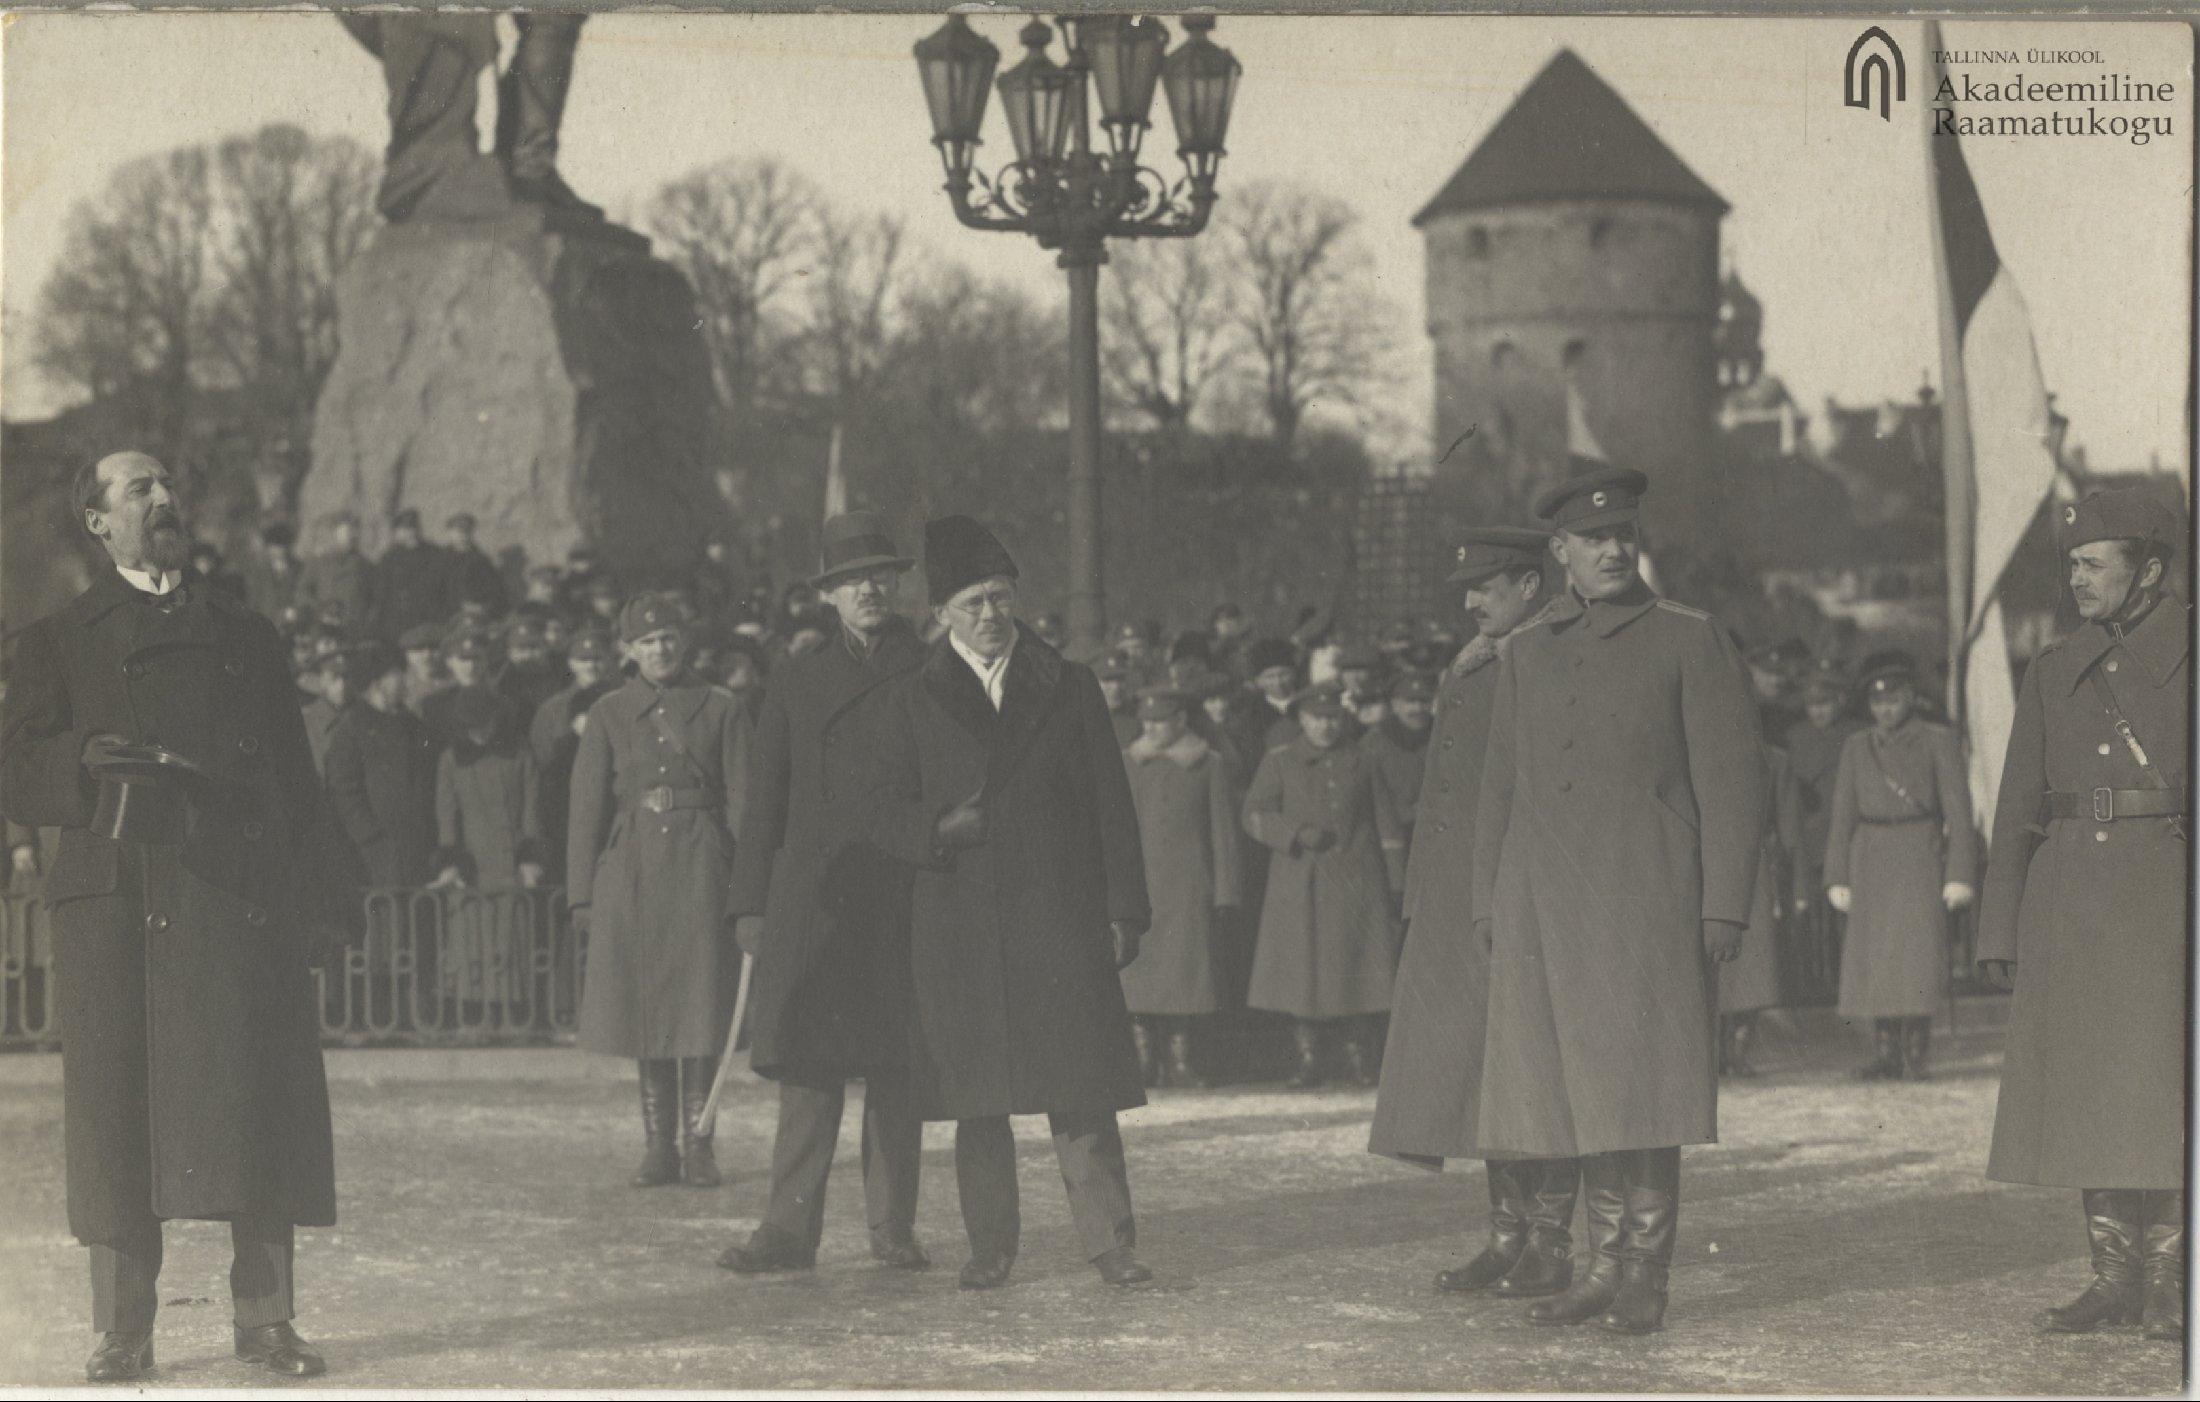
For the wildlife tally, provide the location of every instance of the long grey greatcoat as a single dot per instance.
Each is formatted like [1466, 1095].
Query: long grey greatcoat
[1018, 1009]
[1188, 830]
[2096, 918]
[827, 999]
[192, 1082]
[662, 965]
[1750, 981]
[1327, 944]
[1901, 829]
[1400, 760]
[1622, 805]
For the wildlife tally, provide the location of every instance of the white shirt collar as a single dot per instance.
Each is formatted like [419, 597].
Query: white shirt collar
[148, 583]
[993, 675]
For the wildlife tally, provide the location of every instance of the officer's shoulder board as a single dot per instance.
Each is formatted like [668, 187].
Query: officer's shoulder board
[1683, 610]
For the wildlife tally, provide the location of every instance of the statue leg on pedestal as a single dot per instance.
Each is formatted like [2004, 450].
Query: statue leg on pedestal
[432, 64]
[530, 105]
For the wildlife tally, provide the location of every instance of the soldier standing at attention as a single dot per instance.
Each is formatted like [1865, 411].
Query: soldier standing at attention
[1616, 850]
[662, 762]
[2085, 911]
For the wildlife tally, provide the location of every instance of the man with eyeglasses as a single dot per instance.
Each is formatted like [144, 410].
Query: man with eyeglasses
[1008, 798]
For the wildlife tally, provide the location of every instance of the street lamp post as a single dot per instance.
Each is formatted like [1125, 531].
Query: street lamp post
[1073, 198]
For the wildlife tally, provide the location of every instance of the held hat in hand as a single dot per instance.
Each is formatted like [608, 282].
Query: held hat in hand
[144, 792]
[852, 542]
[2115, 513]
[650, 612]
[959, 552]
[1605, 497]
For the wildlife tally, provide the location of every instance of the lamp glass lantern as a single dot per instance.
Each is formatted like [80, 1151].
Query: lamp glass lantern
[1126, 58]
[955, 64]
[1201, 80]
[1035, 98]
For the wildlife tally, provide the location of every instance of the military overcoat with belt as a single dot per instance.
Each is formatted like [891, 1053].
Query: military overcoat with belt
[1622, 805]
[826, 1003]
[649, 855]
[2094, 913]
[192, 1080]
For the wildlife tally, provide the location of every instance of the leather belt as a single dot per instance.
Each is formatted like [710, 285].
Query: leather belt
[2107, 805]
[664, 799]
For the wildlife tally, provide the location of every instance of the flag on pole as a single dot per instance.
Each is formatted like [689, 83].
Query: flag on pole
[1997, 454]
[1585, 454]
[836, 482]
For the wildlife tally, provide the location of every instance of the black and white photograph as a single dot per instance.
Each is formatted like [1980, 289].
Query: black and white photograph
[1506, 699]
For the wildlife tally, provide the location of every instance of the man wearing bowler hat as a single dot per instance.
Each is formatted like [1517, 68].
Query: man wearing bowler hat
[1431, 1090]
[199, 870]
[1615, 857]
[828, 925]
[1008, 799]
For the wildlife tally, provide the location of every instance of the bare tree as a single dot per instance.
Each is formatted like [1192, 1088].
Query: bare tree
[1167, 333]
[851, 300]
[1304, 299]
[742, 231]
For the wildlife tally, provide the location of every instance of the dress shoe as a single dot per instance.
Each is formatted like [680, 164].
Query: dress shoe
[904, 1255]
[1120, 1267]
[765, 1253]
[122, 1354]
[1639, 1307]
[985, 1273]
[2112, 1297]
[277, 1348]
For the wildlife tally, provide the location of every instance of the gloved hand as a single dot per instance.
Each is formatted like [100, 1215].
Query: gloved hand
[1313, 839]
[961, 826]
[25, 860]
[748, 932]
[2000, 974]
[1722, 939]
[1955, 895]
[1126, 943]
[530, 875]
[1838, 898]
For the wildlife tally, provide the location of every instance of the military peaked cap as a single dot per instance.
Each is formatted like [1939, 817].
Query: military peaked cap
[1604, 497]
[1488, 549]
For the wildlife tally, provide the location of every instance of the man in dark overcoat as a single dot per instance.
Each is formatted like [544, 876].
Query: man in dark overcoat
[1616, 855]
[340, 584]
[2086, 911]
[474, 577]
[381, 774]
[826, 924]
[192, 1081]
[1432, 1068]
[412, 582]
[1007, 794]
[554, 735]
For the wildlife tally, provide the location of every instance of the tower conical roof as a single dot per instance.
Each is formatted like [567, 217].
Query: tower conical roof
[1569, 136]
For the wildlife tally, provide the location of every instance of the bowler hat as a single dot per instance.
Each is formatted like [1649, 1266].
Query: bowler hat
[1485, 550]
[959, 552]
[855, 541]
[144, 792]
[1604, 497]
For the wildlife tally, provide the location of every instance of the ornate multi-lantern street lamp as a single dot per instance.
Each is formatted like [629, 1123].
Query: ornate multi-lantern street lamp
[1074, 198]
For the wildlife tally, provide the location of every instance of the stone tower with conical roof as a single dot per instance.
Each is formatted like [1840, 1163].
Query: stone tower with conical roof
[1572, 254]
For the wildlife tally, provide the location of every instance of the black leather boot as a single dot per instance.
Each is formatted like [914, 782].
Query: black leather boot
[1917, 1036]
[2163, 1313]
[2113, 1295]
[1181, 1072]
[1604, 1206]
[123, 1355]
[1886, 1062]
[660, 1124]
[698, 1162]
[1149, 1065]
[1508, 1230]
[1547, 1266]
[1308, 1034]
[1737, 1029]
[1653, 1213]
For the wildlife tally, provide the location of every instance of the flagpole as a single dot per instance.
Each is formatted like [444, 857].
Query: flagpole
[1959, 487]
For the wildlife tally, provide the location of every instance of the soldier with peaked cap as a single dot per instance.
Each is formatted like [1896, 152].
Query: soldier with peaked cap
[1431, 1090]
[1900, 855]
[662, 763]
[1397, 746]
[1008, 798]
[828, 925]
[2086, 909]
[1616, 850]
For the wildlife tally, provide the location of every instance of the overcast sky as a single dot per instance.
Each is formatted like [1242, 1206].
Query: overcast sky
[1828, 223]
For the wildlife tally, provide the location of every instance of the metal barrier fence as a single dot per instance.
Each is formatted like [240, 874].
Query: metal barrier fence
[449, 967]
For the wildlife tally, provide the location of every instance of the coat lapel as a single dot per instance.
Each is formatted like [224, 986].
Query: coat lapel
[1028, 696]
[955, 688]
[898, 651]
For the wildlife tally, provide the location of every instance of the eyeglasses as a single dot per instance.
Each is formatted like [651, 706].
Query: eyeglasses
[1003, 602]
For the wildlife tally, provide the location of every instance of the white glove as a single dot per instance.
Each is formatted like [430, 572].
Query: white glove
[1838, 898]
[1955, 895]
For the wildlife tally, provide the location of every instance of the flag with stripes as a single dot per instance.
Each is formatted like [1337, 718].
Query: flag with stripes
[1997, 454]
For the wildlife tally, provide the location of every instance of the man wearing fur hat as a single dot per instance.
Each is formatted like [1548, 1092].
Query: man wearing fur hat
[1008, 797]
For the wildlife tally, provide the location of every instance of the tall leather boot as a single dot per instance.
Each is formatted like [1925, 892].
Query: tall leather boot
[2163, 1313]
[1149, 1065]
[1547, 1266]
[1917, 1036]
[1737, 1029]
[1308, 1034]
[1508, 1229]
[2112, 1225]
[531, 107]
[1180, 1070]
[1604, 1207]
[1886, 1062]
[660, 1124]
[1645, 1257]
[698, 1164]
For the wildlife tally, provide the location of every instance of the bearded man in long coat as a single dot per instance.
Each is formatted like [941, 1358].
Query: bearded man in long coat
[190, 1043]
[2085, 910]
[1615, 859]
[1007, 795]
[1425, 1111]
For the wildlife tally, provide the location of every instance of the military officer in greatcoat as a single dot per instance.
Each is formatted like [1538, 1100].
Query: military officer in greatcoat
[190, 1043]
[828, 929]
[1425, 1111]
[340, 583]
[2085, 910]
[1616, 855]
[649, 851]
